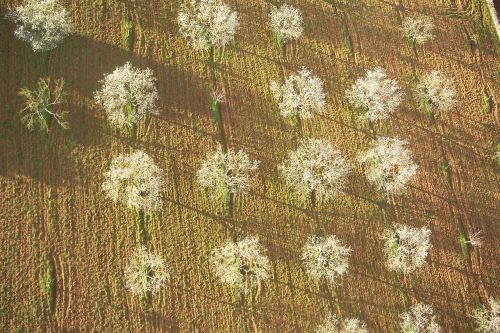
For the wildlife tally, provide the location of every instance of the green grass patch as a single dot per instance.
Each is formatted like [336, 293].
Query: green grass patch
[463, 244]
[127, 34]
[444, 168]
[48, 283]
[346, 37]
[487, 102]
[141, 229]
[278, 41]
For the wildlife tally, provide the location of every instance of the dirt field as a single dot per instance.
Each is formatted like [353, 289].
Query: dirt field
[57, 222]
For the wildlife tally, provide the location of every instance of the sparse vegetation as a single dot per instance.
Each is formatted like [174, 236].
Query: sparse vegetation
[146, 272]
[242, 264]
[43, 24]
[325, 257]
[389, 165]
[332, 324]
[92, 213]
[418, 30]
[127, 94]
[487, 317]
[300, 96]
[207, 23]
[315, 168]
[437, 91]
[406, 247]
[287, 24]
[376, 95]
[136, 181]
[420, 319]
[226, 172]
[43, 104]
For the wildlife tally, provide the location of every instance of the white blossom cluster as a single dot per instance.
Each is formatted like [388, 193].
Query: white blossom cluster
[301, 95]
[136, 181]
[406, 247]
[389, 165]
[377, 95]
[315, 166]
[223, 173]
[127, 94]
[437, 90]
[41, 23]
[332, 324]
[145, 272]
[418, 29]
[488, 319]
[241, 264]
[207, 23]
[420, 319]
[325, 257]
[287, 22]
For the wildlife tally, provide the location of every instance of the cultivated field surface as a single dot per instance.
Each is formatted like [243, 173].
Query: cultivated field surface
[58, 227]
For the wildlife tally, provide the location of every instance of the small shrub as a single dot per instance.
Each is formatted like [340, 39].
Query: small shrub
[41, 105]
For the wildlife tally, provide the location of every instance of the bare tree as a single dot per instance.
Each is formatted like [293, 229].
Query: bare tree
[418, 29]
[488, 317]
[376, 95]
[406, 247]
[316, 166]
[332, 324]
[222, 173]
[136, 181]
[437, 91]
[41, 105]
[287, 23]
[325, 257]
[242, 264]
[389, 165]
[207, 23]
[146, 272]
[420, 319]
[475, 239]
[301, 95]
[41, 23]
[127, 94]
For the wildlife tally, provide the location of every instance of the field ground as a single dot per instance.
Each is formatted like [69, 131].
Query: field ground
[64, 246]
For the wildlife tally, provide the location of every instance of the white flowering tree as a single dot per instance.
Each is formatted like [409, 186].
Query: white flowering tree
[488, 317]
[325, 257]
[420, 319]
[136, 181]
[42, 105]
[223, 173]
[127, 94]
[406, 248]
[146, 272]
[376, 95]
[418, 29]
[437, 92]
[242, 264]
[332, 324]
[301, 95]
[287, 24]
[316, 169]
[207, 23]
[43, 24]
[388, 165]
